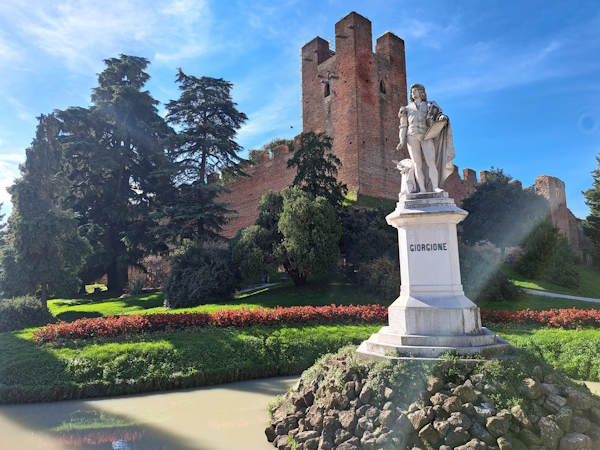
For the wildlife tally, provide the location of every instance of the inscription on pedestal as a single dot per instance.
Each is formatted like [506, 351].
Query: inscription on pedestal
[435, 247]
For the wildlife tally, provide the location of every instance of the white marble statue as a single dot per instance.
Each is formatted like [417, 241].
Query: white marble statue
[427, 133]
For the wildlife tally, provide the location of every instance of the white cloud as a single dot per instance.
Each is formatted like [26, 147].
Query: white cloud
[429, 34]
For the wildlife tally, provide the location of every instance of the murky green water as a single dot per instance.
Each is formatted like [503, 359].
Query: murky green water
[225, 417]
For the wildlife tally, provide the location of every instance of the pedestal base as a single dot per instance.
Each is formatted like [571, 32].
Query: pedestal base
[386, 345]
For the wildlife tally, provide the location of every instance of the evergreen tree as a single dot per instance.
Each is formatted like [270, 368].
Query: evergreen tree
[44, 249]
[317, 168]
[501, 212]
[591, 225]
[207, 121]
[119, 167]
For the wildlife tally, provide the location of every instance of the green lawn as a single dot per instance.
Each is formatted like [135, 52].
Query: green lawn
[318, 291]
[589, 282]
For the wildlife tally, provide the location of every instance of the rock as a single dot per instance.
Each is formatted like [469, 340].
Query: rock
[348, 419]
[521, 418]
[539, 411]
[281, 429]
[434, 385]
[594, 414]
[341, 435]
[538, 374]
[504, 443]
[438, 399]
[363, 424]
[529, 437]
[349, 391]
[365, 395]
[429, 433]
[347, 446]
[311, 444]
[439, 413]
[281, 441]
[441, 426]
[482, 414]
[388, 393]
[383, 442]
[452, 404]
[270, 433]
[328, 423]
[466, 394]
[551, 389]
[424, 398]
[459, 419]
[563, 418]
[306, 435]
[360, 412]
[473, 444]
[326, 441]
[497, 426]
[578, 400]
[419, 418]
[387, 418]
[554, 402]
[457, 436]
[575, 441]
[477, 431]
[550, 433]
[579, 424]
[531, 388]
[468, 409]
[593, 432]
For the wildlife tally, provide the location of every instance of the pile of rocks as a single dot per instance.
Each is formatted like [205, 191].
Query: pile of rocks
[349, 406]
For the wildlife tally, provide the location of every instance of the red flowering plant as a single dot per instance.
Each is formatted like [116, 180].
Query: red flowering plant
[113, 326]
[569, 319]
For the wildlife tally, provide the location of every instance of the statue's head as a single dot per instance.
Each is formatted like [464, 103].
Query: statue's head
[421, 90]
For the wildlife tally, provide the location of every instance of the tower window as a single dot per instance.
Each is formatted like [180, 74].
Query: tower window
[382, 87]
[327, 90]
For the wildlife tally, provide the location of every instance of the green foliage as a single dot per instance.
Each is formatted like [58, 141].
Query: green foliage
[119, 169]
[204, 147]
[365, 237]
[136, 286]
[23, 312]
[591, 225]
[44, 248]
[293, 230]
[201, 273]
[482, 279]
[163, 361]
[547, 255]
[381, 276]
[501, 211]
[317, 168]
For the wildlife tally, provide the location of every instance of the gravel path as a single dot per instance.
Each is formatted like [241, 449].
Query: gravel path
[552, 294]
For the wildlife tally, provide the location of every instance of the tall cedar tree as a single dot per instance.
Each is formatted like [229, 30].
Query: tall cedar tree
[317, 168]
[120, 169]
[591, 225]
[44, 250]
[501, 212]
[207, 120]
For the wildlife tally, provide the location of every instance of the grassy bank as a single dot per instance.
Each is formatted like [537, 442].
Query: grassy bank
[162, 361]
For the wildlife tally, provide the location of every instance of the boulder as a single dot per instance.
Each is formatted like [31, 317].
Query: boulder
[530, 388]
[550, 433]
[575, 441]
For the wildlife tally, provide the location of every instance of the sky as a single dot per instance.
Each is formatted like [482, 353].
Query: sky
[520, 80]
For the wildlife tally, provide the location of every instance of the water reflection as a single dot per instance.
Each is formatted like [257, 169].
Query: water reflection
[221, 417]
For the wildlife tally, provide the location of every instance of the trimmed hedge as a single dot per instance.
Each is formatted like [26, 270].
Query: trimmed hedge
[23, 312]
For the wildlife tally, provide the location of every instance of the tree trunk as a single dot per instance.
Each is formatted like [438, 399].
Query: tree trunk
[298, 278]
[44, 295]
[117, 278]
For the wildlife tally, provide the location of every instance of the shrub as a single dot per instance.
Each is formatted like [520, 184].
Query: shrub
[380, 276]
[482, 279]
[201, 273]
[135, 286]
[548, 256]
[23, 312]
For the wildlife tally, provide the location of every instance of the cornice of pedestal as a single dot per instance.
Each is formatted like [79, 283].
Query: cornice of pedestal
[429, 207]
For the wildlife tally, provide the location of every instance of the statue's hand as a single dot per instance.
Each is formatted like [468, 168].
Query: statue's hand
[442, 117]
[400, 145]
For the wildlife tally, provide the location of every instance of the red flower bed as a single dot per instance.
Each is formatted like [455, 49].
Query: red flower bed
[555, 318]
[113, 326]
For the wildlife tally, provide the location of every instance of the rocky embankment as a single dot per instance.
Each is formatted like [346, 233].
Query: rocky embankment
[345, 404]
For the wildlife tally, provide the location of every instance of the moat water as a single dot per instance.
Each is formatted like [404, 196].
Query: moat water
[226, 417]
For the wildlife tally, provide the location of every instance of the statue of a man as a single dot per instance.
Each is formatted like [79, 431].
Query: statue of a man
[427, 133]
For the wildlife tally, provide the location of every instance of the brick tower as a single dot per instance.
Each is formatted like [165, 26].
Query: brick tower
[354, 96]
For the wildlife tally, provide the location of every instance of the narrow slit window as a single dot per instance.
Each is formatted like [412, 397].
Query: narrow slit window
[382, 87]
[327, 90]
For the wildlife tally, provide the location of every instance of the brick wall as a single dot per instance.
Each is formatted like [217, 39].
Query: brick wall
[245, 192]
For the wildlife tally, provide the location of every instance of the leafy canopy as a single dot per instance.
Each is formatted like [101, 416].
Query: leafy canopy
[591, 225]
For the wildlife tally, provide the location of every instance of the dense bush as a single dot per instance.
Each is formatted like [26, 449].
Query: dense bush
[380, 276]
[482, 279]
[548, 256]
[23, 312]
[201, 273]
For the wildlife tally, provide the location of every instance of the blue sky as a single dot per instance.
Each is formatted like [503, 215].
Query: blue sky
[520, 80]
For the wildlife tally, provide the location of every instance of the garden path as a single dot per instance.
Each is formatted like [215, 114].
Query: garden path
[553, 294]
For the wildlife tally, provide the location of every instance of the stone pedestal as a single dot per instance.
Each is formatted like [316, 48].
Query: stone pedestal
[432, 316]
